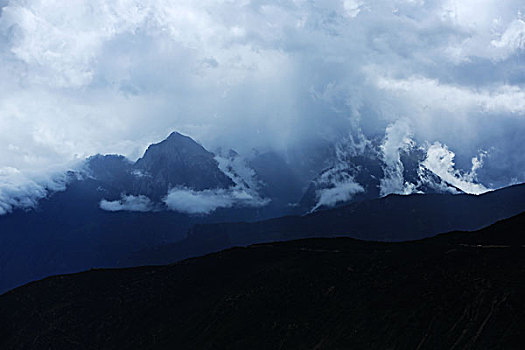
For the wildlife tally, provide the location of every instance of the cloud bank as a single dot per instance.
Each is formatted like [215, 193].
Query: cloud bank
[242, 194]
[18, 190]
[128, 203]
[94, 76]
[189, 201]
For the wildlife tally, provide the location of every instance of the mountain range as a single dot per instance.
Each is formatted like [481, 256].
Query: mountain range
[117, 212]
[391, 218]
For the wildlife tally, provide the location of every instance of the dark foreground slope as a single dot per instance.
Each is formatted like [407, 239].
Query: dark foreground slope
[454, 291]
[391, 218]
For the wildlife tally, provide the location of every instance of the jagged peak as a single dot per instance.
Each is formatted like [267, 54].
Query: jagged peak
[175, 136]
[176, 143]
[180, 139]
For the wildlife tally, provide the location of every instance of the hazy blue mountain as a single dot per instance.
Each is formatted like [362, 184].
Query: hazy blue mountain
[177, 161]
[70, 232]
[391, 218]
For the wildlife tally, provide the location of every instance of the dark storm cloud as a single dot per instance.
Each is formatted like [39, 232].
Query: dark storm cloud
[84, 77]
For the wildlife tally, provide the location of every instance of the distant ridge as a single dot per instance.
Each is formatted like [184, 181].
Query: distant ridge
[392, 218]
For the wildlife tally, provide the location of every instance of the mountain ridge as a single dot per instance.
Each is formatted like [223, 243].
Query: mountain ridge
[114, 213]
[391, 218]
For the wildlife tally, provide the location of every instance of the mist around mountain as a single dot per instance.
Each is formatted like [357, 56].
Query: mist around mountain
[150, 132]
[456, 290]
[179, 174]
[366, 168]
[111, 207]
[180, 200]
[111, 210]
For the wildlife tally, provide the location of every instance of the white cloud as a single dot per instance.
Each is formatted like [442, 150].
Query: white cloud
[20, 191]
[99, 76]
[440, 160]
[513, 39]
[337, 184]
[431, 94]
[198, 202]
[352, 7]
[189, 201]
[478, 23]
[128, 203]
[398, 138]
[342, 191]
[237, 169]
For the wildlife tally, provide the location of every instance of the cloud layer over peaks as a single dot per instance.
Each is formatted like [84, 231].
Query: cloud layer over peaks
[93, 76]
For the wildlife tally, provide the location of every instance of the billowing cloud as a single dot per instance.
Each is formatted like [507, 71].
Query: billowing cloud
[433, 94]
[397, 139]
[99, 76]
[20, 191]
[342, 191]
[440, 160]
[513, 39]
[337, 185]
[189, 201]
[128, 203]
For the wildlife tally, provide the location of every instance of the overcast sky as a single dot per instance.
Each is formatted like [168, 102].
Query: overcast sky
[80, 77]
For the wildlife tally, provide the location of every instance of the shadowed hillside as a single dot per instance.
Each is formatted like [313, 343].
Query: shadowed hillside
[456, 291]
